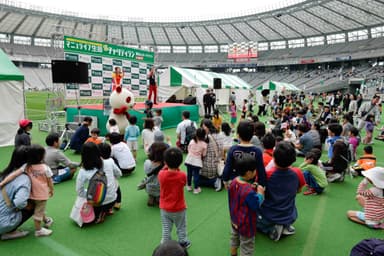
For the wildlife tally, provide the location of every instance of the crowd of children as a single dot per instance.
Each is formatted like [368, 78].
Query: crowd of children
[259, 175]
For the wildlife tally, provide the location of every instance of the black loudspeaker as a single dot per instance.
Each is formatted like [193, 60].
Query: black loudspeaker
[216, 83]
[69, 72]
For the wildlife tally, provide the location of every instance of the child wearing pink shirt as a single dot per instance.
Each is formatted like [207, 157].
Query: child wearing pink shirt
[233, 112]
[197, 149]
[42, 187]
[354, 141]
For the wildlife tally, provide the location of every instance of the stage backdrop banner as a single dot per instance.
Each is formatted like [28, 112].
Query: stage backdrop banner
[102, 58]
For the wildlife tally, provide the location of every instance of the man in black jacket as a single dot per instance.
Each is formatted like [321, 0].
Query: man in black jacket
[207, 102]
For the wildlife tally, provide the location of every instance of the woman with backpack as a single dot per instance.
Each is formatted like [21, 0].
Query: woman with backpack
[208, 174]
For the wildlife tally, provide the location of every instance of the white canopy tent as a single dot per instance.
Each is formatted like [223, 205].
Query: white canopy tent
[12, 100]
[182, 82]
[274, 87]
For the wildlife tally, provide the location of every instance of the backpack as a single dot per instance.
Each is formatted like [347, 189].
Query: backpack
[346, 154]
[97, 188]
[368, 247]
[348, 150]
[190, 132]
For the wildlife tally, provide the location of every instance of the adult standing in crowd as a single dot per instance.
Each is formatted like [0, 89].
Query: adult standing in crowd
[215, 152]
[346, 101]
[213, 100]
[352, 107]
[62, 168]
[14, 208]
[23, 137]
[359, 99]
[207, 103]
[152, 85]
[232, 97]
[263, 106]
[369, 108]
[181, 131]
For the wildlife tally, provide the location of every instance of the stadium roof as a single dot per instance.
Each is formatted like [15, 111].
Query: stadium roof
[302, 20]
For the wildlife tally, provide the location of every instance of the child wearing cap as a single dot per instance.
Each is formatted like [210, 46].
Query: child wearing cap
[23, 137]
[372, 200]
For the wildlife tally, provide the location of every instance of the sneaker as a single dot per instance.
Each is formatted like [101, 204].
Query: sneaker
[333, 177]
[379, 226]
[43, 232]
[117, 206]
[288, 230]
[15, 234]
[142, 185]
[353, 172]
[218, 185]
[189, 188]
[197, 191]
[151, 201]
[275, 234]
[310, 191]
[110, 212]
[48, 222]
[186, 245]
[101, 218]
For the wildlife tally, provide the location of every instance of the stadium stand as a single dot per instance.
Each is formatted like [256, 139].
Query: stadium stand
[311, 50]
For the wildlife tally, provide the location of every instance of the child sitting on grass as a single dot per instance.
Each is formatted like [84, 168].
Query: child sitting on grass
[245, 197]
[113, 172]
[372, 200]
[313, 174]
[95, 132]
[365, 162]
[278, 211]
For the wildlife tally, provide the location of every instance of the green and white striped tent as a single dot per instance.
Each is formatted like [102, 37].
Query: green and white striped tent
[12, 100]
[182, 82]
[273, 87]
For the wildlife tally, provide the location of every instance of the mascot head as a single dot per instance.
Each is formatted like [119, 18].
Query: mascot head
[121, 100]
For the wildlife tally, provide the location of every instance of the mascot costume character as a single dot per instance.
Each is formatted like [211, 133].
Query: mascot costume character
[121, 100]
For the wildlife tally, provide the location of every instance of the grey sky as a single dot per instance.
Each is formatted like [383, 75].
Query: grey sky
[170, 10]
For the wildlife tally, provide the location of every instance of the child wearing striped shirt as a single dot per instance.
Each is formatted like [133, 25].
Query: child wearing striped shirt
[372, 199]
[245, 197]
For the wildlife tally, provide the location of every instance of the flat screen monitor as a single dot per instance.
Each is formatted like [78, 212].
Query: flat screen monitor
[69, 72]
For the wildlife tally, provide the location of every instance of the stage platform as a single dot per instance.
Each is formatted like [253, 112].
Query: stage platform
[171, 114]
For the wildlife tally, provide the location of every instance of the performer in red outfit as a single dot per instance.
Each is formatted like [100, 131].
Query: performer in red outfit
[152, 85]
[117, 78]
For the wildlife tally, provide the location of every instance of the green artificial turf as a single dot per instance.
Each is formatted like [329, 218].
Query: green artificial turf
[321, 229]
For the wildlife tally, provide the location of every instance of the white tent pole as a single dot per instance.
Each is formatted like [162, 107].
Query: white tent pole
[24, 100]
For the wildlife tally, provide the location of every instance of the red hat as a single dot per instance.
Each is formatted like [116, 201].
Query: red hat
[24, 123]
